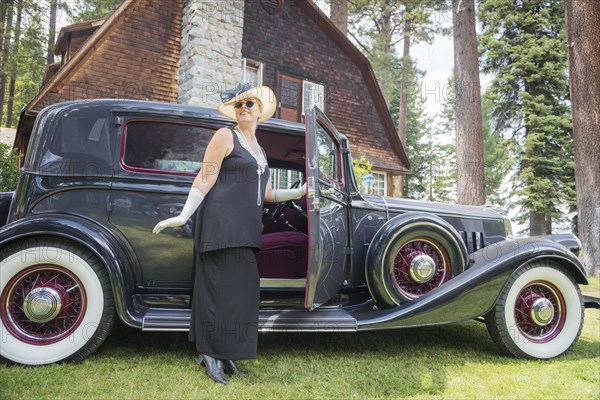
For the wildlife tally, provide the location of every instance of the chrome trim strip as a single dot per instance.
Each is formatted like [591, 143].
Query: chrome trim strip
[276, 283]
[160, 329]
[332, 319]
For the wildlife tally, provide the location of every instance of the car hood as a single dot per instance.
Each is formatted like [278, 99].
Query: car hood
[397, 205]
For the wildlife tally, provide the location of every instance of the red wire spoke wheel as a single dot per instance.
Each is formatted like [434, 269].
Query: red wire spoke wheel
[43, 304]
[420, 266]
[56, 302]
[539, 313]
[411, 255]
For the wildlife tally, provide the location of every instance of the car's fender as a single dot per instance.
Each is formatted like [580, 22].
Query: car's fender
[5, 201]
[424, 234]
[112, 252]
[474, 292]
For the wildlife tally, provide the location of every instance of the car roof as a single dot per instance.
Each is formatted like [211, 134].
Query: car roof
[126, 106]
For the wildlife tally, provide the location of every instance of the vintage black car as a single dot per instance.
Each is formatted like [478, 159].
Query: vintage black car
[77, 249]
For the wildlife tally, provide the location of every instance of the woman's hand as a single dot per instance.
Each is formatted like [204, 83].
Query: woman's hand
[218, 148]
[169, 223]
[280, 195]
[193, 202]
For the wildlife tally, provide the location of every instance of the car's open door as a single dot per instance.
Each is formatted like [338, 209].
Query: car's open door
[327, 210]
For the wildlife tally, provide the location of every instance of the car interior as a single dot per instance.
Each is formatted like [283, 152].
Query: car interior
[284, 253]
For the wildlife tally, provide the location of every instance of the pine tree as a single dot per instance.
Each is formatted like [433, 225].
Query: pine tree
[430, 178]
[498, 160]
[523, 46]
[85, 10]
[12, 70]
[30, 62]
[469, 136]
[7, 25]
[378, 26]
[53, 7]
[417, 144]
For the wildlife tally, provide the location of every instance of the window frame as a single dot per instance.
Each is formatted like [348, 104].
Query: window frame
[385, 181]
[155, 171]
[322, 85]
[249, 63]
[276, 174]
[338, 183]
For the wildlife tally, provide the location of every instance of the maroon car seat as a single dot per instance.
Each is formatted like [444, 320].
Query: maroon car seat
[284, 255]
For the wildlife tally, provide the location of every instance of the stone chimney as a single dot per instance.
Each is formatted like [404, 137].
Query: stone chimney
[211, 50]
[339, 15]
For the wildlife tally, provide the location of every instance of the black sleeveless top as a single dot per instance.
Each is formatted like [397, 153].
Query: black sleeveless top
[229, 216]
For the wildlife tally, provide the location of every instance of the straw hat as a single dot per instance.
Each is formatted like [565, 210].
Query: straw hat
[263, 94]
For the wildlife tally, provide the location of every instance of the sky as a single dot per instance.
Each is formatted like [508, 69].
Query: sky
[437, 60]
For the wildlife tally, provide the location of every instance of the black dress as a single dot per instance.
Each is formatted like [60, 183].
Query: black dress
[226, 283]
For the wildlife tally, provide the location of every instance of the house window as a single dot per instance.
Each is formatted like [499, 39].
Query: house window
[253, 72]
[313, 94]
[284, 178]
[297, 96]
[380, 185]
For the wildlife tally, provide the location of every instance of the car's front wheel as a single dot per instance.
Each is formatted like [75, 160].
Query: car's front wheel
[411, 255]
[539, 313]
[56, 302]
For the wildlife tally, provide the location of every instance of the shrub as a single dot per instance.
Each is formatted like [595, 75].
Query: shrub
[362, 167]
[9, 168]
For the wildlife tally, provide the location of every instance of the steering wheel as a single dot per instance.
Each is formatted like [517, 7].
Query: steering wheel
[278, 210]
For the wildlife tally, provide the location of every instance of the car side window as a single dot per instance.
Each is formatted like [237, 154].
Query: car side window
[81, 145]
[327, 155]
[158, 146]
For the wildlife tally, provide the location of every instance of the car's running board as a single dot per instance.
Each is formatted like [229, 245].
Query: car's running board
[591, 302]
[319, 320]
[164, 319]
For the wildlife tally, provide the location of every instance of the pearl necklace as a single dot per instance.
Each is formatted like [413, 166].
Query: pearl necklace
[261, 160]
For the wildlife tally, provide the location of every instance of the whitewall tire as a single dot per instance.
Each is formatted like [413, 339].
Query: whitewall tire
[539, 313]
[56, 302]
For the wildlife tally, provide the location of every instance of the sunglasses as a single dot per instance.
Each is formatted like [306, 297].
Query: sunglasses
[249, 104]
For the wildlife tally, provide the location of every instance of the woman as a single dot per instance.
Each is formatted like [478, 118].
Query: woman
[230, 187]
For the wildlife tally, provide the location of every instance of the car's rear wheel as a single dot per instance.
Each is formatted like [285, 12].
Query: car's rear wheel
[539, 313]
[56, 302]
[412, 255]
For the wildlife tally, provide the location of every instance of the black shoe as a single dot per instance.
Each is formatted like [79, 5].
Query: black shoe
[232, 369]
[214, 368]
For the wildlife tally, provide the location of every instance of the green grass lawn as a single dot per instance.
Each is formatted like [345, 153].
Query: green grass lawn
[453, 361]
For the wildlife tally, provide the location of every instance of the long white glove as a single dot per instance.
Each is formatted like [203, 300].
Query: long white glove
[281, 195]
[192, 203]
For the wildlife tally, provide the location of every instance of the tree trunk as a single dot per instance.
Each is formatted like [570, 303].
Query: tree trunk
[469, 130]
[403, 111]
[51, 31]
[13, 68]
[537, 223]
[339, 15]
[5, 54]
[548, 227]
[3, 6]
[583, 36]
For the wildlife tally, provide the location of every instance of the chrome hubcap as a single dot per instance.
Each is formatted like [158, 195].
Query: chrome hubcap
[542, 312]
[42, 304]
[422, 268]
